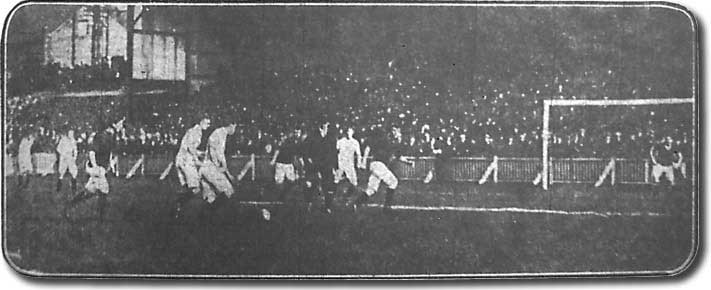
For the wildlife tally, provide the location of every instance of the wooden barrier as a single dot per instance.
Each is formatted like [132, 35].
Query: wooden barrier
[465, 169]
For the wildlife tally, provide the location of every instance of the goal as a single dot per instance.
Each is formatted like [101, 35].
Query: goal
[593, 113]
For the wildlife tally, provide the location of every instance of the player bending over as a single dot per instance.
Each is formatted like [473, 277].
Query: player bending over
[187, 161]
[67, 150]
[214, 176]
[664, 160]
[96, 167]
[384, 154]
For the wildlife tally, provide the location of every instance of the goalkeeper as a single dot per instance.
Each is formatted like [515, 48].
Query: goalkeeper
[664, 160]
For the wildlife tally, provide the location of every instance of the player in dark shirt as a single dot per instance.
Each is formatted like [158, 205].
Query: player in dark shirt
[441, 153]
[97, 166]
[306, 170]
[384, 153]
[664, 158]
[283, 162]
[135, 146]
[102, 147]
[320, 152]
[246, 146]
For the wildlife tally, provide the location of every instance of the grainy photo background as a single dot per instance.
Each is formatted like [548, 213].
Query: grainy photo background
[680, 88]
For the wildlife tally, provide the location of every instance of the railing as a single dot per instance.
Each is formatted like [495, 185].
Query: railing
[518, 169]
[633, 170]
[576, 170]
[463, 169]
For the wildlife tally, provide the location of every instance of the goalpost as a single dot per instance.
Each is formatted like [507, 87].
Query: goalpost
[546, 134]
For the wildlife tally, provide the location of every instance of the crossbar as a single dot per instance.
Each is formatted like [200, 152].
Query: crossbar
[630, 102]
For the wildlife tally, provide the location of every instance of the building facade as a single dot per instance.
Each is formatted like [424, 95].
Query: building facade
[90, 37]
[167, 43]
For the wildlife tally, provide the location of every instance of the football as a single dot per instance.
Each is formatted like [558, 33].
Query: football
[266, 214]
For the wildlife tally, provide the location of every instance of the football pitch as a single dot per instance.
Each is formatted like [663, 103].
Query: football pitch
[439, 230]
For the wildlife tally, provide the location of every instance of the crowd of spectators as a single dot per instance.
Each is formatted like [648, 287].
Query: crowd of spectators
[104, 75]
[484, 116]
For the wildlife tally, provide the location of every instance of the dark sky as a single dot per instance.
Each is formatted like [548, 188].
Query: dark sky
[503, 42]
[27, 22]
[499, 41]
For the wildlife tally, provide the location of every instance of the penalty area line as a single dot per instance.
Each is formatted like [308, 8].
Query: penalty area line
[492, 209]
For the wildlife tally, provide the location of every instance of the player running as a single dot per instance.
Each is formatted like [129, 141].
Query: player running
[384, 154]
[322, 159]
[664, 159]
[67, 150]
[441, 159]
[187, 161]
[307, 171]
[96, 167]
[348, 147]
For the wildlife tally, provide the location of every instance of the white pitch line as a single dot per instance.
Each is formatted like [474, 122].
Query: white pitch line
[490, 209]
[518, 210]
[250, 202]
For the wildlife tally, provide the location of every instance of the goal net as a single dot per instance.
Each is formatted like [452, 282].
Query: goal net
[596, 141]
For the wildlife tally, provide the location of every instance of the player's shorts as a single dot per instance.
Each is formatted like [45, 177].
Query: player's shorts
[187, 170]
[213, 182]
[283, 170]
[658, 170]
[379, 172]
[67, 163]
[24, 164]
[97, 180]
[349, 171]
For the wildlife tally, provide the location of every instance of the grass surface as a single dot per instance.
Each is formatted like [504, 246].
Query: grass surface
[140, 237]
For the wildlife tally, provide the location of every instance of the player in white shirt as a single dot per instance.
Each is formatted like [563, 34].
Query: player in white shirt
[348, 152]
[24, 159]
[214, 175]
[67, 150]
[187, 162]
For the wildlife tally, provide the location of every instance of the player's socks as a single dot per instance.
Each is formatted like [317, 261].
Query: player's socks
[328, 201]
[59, 185]
[82, 196]
[183, 198]
[219, 202]
[281, 193]
[288, 188]
[207, 213]
[25, 181]
[309, 193]
[360, 198]
[389, 197]
[204, 214]
[19, 181]
[350, 189]
[74, 184]
[101, 206]
[260, 196]
[212, 208]
[77, 197]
